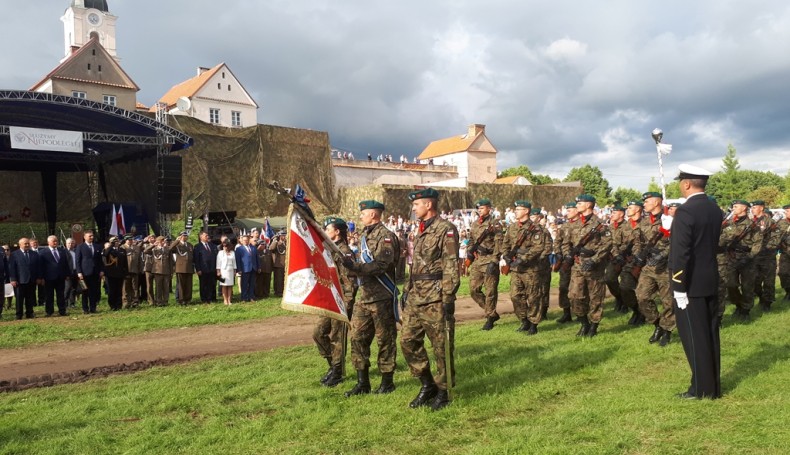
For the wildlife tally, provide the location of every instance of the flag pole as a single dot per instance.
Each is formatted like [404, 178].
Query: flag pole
[657, 135]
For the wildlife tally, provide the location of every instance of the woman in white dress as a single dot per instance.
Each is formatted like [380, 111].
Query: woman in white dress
[226, 271]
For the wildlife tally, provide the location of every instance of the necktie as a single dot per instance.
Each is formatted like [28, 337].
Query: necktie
[91, 247]
[27, 258]
[206, 245]
[55, 253]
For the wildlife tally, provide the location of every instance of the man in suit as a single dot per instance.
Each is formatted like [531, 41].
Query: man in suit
[247, 265]
[24, 272]
[205, 259]
[3, 276]
[35, 248]
[693, 269]
[55, 271]
[70, 290]
[263, 279]
[185, 267]
[90, 269]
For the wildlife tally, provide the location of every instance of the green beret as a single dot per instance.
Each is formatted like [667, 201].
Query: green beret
[585, 198]
[650, 194]
[639, 203]
[371, 204]
[482, 202]
[339, 223]
[758, 202]
[570, 205]
[786, 206]
[427, 193]
[741, 201]
[673, 204]
[617, 208]
[535, 211]
[524, 203]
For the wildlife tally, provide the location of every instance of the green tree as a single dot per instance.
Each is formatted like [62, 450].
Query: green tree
[725, 185]
[770, 194]
[592, 182]
[524, 171]
[622, 196]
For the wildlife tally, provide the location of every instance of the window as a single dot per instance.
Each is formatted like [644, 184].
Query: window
[80, 95]
[223, 75]
[89, 66]
[235, 118]
[219, 86]
[213, 116]
[100, 68]
[228, 87]
[110, 99]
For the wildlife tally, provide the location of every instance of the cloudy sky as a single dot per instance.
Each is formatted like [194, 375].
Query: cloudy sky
[557, 84]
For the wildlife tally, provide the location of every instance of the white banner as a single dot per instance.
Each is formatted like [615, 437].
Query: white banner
[51, 140]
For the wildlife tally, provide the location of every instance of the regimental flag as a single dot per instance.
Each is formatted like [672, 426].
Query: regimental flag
[312, 284]
[268, 232]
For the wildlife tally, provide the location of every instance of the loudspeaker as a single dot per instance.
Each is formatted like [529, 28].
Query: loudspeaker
[168, 188]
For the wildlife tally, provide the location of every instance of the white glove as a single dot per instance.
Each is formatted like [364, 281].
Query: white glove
[682, 298]
[666, 222]
[502, 262]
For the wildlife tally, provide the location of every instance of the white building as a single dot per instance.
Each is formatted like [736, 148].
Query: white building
[85, 17]
[472, 153]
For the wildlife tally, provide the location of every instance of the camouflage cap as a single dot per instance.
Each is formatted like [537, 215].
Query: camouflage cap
[650, 194]
[742, 202]
[639, 203]
[482, 202]
[585, 198]
[758, 202]
[617, 208]
[427, 193]
[523, 203]
[570, 205]
[339, 223]
[371, 204]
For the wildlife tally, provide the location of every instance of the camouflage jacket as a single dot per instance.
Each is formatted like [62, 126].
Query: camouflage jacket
[489, 249]
[531, 250]
[619, 237]
[383, 246]
[434, 274]
[596, 249]
[630, 236]
[563, 232]
[348, 282]
[782, 234]
[771, 234]
[648, 229]
[749, 246]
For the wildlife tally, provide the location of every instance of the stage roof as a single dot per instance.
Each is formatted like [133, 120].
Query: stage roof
[110, 134]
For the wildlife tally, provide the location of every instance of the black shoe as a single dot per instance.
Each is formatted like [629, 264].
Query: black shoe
[335, 376]
[427, 392]
[533, 330]
[489, 324]
[566, 316]
[441, 401]
[362, 386]
[656, 334]
[328, 372]
[592, 331]
[585, 326]
[524, 326]
[387, 386]
[666, 337]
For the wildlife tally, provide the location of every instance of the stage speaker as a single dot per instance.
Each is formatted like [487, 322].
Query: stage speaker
[168, 188]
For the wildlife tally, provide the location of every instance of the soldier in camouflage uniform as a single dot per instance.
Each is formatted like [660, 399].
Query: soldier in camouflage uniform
[329, 333]
[545, 263]
[742, 241]
[373, 310]
[613, 268]
[429, 302]
[651, 252]
[765, 261]
[625, 256]
[587, 289]
[783, 231]
[572, 216]
[523, 247]
[486, 238]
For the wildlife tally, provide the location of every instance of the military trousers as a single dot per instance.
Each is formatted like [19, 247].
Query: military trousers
[330, 339]
[545, 287]
[130, 288]
[784, 271]
[586, 293]
[721, 296]
[656, 280]
[184, 283]
[161, 289]
[611, 279]
[564, 285]
[369, 320]
[149, 288]
[740, 285]
[765, 278]
[419, 322]
[525, 293]
[628, 287]
[483, 283]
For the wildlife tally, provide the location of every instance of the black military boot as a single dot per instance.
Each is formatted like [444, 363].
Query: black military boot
[362, 385]
[533, 329]
[766, 306]
[328, 372]
[489, 324]
[618, 304]
[585, 326]
[634, 317]
[593, 330]
[543, 312]
[640, 319]
[442, 400]
[656, 334]
[335, 376]
[387, 386]
[566, 316]
[427, 392]
[524, 326]
[786, 299]
[666, 337]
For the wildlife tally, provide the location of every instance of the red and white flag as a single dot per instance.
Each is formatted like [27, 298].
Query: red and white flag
[312, 284]
[117, 225]
[120, 221]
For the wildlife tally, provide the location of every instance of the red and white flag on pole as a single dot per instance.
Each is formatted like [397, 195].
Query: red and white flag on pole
[120, 221]
[312, 284]
[114, 222]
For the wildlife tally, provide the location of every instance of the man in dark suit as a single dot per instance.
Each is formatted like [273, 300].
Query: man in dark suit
[247, 265]
[55, 270]
[692, 262]
[24, 272]
[205, 259]
[90, 269]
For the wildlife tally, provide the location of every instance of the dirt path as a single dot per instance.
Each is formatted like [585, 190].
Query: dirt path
[76, 361]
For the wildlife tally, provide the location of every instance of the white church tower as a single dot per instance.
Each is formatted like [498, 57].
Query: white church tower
[85, 17]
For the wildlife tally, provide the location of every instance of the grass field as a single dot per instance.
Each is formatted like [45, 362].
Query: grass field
[553, 393]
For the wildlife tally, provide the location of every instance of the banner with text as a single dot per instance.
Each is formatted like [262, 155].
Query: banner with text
[50, 140]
